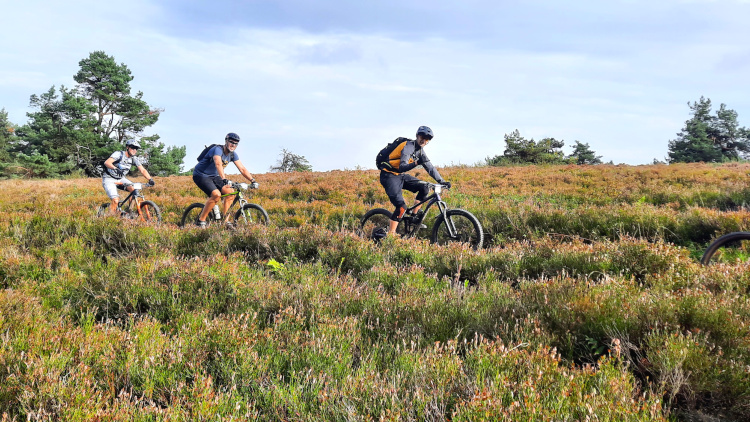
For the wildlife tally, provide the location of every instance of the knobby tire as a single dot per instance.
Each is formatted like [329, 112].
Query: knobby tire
[468, 228]
[378, 218]
[251, 214]
[723, 243]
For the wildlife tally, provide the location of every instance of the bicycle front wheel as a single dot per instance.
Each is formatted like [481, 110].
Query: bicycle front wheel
[464, 226]
[728, 248]
[378, 218]
[191, 214]
[251, 214]
[150, 212]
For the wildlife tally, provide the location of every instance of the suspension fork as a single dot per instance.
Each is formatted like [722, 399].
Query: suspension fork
[137, 200]
[241, 200]
[443, 207]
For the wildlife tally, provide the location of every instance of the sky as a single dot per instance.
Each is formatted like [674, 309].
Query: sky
[335, 81]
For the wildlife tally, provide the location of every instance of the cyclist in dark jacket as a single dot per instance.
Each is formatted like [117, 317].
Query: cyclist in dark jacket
[394, 161]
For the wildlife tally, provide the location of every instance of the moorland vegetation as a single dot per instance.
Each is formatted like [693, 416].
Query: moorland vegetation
[586, 303]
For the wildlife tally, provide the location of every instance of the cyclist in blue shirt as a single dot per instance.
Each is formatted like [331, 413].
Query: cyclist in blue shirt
[210, 177]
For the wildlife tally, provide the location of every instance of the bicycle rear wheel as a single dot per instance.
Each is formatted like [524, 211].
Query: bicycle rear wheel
[191, 214]
[251, 214]
[378, 218]
[102, 210]
[728, 248]
[150, 211]
[467, 229]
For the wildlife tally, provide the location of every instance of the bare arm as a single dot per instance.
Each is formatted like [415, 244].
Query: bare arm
[109, 163]
[219, 166]
[241, 167]
[144, 172]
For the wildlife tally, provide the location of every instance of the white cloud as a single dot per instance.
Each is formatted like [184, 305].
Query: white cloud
[337, 98]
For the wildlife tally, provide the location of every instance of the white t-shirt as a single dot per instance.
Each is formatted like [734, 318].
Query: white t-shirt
[125, 163]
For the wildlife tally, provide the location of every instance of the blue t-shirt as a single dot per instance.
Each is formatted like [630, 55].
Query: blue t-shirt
[206, 166]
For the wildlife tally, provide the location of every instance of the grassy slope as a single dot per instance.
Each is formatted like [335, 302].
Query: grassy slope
[588, 301]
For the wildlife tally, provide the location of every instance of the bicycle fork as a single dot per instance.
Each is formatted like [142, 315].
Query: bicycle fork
[140, 213]
[452, 232]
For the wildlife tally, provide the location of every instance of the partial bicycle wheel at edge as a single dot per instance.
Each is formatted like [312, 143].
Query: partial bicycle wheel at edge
[728, 248]
[377, 218]
[150, 211]
[468, 230]
[251, 214]
[191, 214]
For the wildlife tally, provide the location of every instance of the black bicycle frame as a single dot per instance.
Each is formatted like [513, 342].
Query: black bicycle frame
[238, 198]
[130, 197]
[442, 206]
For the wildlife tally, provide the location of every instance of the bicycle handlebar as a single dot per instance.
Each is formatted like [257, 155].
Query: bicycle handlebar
[143, 185]
[437, 187]
[243, 186]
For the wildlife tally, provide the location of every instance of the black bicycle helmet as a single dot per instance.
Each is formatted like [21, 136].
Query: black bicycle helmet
[232, 136]
[425, 132]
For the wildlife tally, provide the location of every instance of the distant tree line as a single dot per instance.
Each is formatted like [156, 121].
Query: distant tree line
[519, 150]
[706, 137]
[70, 128]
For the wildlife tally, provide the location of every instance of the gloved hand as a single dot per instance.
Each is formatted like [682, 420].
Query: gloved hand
[446, 184]
[254, 185]
[116, 173]
[151, 182]
[227, 182]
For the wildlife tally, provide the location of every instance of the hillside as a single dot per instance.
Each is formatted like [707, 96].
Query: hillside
[587, 301]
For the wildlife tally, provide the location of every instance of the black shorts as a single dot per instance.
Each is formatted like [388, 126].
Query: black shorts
[209, 184]
[395, 183]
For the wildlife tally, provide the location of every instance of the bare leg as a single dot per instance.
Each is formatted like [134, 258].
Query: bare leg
[392, 227]
[227, 202]
[113, 206]
[212, 200]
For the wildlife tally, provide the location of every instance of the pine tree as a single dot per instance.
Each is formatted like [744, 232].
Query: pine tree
[582, 154]
[709, 138]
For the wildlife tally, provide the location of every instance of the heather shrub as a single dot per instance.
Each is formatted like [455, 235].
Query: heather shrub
[586, 303]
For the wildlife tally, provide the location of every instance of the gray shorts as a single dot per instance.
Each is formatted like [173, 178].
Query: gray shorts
[111, 185]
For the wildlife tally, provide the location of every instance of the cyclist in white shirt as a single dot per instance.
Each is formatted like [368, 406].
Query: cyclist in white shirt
[117, 167]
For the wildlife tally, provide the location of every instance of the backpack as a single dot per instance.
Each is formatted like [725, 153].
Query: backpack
[101, 169]
[382, 160]
[203, 153]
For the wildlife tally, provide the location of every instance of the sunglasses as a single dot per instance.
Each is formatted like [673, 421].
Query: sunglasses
[135, 148]
[234, 142]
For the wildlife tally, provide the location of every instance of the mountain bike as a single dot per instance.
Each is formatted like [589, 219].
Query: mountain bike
[728, 248]
[134, 206]
[246, 214]
[451, 225]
